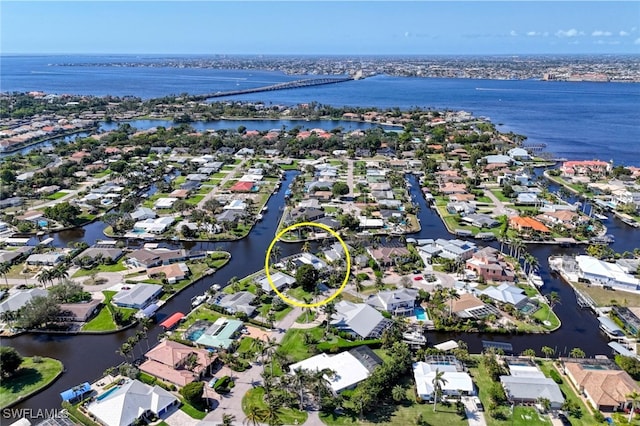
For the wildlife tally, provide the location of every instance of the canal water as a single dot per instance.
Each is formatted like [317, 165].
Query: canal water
[86, 357]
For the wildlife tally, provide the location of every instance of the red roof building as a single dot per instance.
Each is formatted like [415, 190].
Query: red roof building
[172, 321]
[242, 186]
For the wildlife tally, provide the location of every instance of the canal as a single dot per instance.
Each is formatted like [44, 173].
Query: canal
[86, 357]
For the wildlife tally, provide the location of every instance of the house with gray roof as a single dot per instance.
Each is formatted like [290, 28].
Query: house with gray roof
[237, 302]
[48, 259]
[10, 256]
[230, 215]
[397, 302]
[20, 298]
[130, 402]
[527, 384]
[480, 220]
[335, 252]
[137, 296]
[142, 213]
[102, 252]
[280, 281]
[359, 319]
[506, 293]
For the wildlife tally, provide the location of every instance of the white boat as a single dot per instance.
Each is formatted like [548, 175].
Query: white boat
[216, 287]
[259, 217]
[535, 280]
[600, 216]
[414, 337]
[198, 300]
[265, 208]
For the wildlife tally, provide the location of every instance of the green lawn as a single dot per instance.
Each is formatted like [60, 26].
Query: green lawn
[57, 195]
[116, 267]
[404, 413]
[545, 314]
[293, 342]
[200, 313]
[255, 397]
[195, 199]
[306, 317]
[192, 411]
[29, 378]
[102, 322]
[500, 196]
[528, 416]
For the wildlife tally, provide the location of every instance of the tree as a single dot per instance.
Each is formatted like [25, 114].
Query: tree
[553, 299]
[64, 213]
[10, 361]
[255, 415]
[438, 381]
[68, 292]
[547, 351]
[339, 188]
[329, 310]
[307, 277]
[306, 247]
[634, 399]
[398, 393]
[529, 352]
[577, 353]
[5, 267]
[38, 311]
[227, 420]
[192, 392]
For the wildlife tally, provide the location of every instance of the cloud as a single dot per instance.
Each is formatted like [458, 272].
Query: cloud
[569, 33]
[533, 34]
[600, 33]
[636, 41]
[513, 33]
[623, 33]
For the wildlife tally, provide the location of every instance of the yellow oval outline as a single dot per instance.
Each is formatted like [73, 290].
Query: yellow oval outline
[293, 302]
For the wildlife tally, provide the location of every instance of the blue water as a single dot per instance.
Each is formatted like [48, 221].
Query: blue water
[420, 314]
[195, 335]
[577, 120]
[107, 393]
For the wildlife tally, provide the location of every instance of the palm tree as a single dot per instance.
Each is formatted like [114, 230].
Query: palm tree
[553, 299]
[306, 247]
[451, 294]
[577, 353]
[276, 252]
[329, 310]
[299, 380]
[5, 267]
[437, 382]
[227, 420]
[254, 416]
[529, 352]
[547, 351]
[398, 393]
[44, 277]
[634, 398]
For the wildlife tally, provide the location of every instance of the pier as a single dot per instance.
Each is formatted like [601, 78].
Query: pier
[308, 82]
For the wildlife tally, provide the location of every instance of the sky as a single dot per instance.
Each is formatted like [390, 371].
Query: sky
[320, 27]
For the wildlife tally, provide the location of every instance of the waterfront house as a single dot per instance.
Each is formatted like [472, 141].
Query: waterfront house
[527, 224]
[456, 381]
[172, 273]
[137, 296]
[605, 273]
[526, 384]
[397, 302]
[480, 220]
[177, 363]
[387, 256]
[280, 281]
[105, 253]
[147, 258]
[17, 300]
[221, 334]
[154, 226]
[489, 264]
[237, 302]
[13, 256]
[469, 306]
[77, 312]
[130, 402]
[506, 293]
[589, 167]
[142, 213]
[359, 319]
[603, 384]
[242, 186]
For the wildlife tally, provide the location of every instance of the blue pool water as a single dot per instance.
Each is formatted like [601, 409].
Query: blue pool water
[195, 335]
[42, 223]
[107, 393]
[420, 314]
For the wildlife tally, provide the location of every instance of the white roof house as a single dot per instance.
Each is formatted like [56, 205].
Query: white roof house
[142, 213]
[130, 401]
[154, 226]
[349, 371]
[164, 202]
[21, 298]
[604, 273]
[279, 279]
[456, 381]
[236, 205]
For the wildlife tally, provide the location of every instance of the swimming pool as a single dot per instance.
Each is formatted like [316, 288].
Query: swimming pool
[420, 314]
[107, 393]
[195, 334]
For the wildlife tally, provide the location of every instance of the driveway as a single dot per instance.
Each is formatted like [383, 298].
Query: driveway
[475, 417]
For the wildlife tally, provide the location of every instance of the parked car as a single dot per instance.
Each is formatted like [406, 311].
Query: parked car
[476, 401]
[212, 382]
[565, 421]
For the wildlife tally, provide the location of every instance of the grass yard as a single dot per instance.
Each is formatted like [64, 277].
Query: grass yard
[116, 267]
[57, 195]
[192, 411]
[293, 342]
[604, 297]
[193, 201]
[30, 377]
[101, 322]
[200, 313]
[255, 397]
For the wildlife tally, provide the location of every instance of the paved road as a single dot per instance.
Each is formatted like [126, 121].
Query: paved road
[475, 417]
[500, 207]
[350, 177]
[215, 191]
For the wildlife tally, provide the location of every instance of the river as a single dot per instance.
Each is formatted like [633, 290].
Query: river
[87, 356]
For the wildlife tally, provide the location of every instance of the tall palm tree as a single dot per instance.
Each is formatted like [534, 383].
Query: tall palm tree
[547, 351]
[553, 299]
[5, 267]
[634, 398]
[276, 252]
[577, 353]
[254, 416]
[299, 380]
[43, 277]
[329, 310]
[437, 382]
[451, 294]
[306, 247]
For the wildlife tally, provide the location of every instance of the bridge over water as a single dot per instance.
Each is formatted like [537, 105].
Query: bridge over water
[308, 82]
